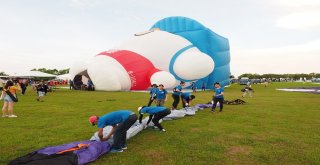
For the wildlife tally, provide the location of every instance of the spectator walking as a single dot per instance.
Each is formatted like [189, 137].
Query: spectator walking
[247, 91]
[23, 86]
[41, 91]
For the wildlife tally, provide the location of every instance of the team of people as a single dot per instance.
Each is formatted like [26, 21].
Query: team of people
[122, 120]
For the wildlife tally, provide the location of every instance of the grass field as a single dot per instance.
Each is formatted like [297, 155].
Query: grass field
[274, 127]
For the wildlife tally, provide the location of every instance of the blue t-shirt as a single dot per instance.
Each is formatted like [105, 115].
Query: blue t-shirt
[161, 94]
[217, 92]
[113, 118]
[178, 88]
[152, 110]
[90, 83]
[185, 95]
[153, 91]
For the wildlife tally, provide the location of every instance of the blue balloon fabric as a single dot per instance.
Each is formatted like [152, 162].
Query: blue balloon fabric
[207, 41]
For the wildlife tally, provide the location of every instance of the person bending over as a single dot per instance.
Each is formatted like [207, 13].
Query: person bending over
[120, 121]
[156, 113]
[187, 99]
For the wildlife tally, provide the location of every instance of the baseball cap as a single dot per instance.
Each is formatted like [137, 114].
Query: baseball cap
[93, 119]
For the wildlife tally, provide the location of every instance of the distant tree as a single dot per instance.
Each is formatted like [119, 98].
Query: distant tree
[296, 76]
[3, 74]
[52, 71]
[64, 71]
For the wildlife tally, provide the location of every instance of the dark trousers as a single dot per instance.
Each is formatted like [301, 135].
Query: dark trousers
[159, 116]
[215, 101]
[23, 90]
[90, 88]
[176, 100]
[184, 101]
[151, 99]
[120, 135]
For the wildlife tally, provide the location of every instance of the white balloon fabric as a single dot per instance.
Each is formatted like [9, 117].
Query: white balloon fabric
[164, 78]
[159, 56]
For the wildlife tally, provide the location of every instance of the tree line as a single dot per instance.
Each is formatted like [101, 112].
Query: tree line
[277, 76]
[52, 71]
[3, 74]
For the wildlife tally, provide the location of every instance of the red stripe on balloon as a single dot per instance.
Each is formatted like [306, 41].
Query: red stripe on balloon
[139, 68]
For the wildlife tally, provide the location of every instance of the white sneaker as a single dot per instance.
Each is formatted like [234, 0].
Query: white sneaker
[12, 116]
[155, 127]
[163, 130]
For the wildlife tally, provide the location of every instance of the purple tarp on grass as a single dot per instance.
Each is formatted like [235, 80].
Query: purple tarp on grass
[85, 155]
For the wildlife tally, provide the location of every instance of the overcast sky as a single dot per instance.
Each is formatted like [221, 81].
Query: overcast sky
[266, 36]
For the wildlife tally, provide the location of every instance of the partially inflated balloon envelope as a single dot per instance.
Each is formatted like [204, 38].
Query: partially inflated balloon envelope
[175, 49]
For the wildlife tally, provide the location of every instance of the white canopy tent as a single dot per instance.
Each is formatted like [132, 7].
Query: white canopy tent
[31, 74]
[63, 77]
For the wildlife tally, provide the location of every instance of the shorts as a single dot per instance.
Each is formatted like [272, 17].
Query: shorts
[41, 94]
[7, 98]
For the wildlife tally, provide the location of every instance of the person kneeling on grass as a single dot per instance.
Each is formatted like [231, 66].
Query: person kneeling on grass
[120, 121]
[187, 99]
[156, 113]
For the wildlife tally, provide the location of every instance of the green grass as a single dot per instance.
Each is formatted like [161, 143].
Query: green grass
[274, 127]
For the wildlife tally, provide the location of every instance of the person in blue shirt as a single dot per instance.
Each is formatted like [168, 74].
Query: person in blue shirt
[177, 91]
[120, 121]
[90, 85]
[218, 97]
[193, 86]
[187, 99]
[203, 87]
[153, 91]
[161, 96]
[156, 113]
